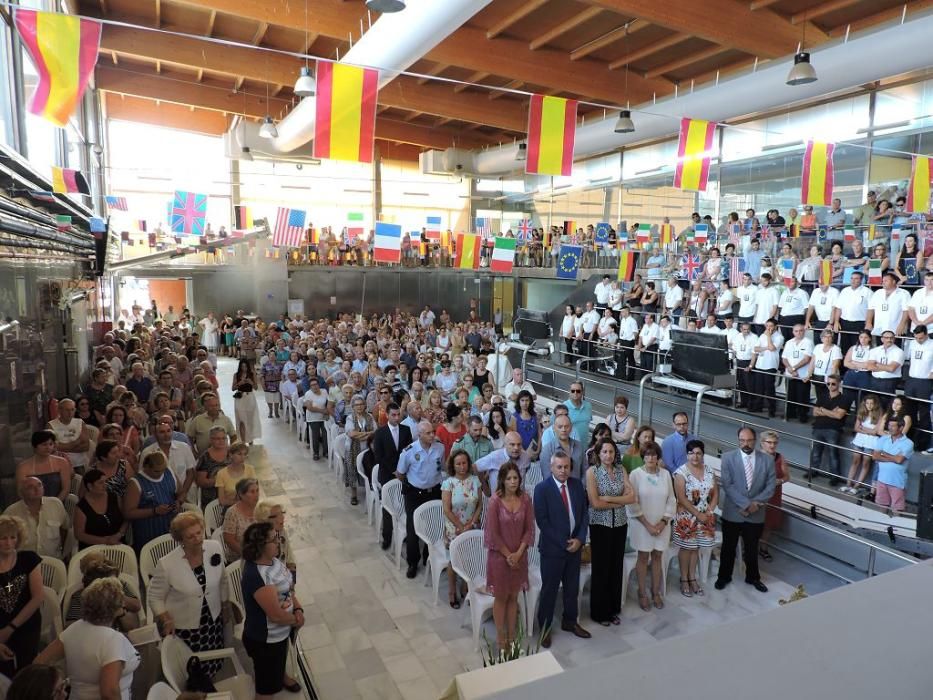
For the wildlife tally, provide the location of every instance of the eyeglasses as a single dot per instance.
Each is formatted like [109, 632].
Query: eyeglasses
[576, 391]
[832, 383]
[681, 424]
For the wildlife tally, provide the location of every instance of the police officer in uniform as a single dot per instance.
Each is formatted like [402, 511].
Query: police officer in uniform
[421, 469]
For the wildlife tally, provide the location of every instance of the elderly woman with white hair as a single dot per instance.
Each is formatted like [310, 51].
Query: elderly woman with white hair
[99, 660]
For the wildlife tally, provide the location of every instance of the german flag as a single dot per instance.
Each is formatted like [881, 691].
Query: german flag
[570, 228]
[242, 217]
[552, 125]
[346, 112]
[627, 266]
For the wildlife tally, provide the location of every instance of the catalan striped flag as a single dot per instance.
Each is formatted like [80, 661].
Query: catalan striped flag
[693, 154]
[63, 49]
[242, 217]
[346, 112]
[627, 266]
[289, 227]
[667, 234]
[552, 125]
[387, 243]
[918, 192]
[68, 180]
[817, 179]
[468, 251]
[503, 255]
[826, 271]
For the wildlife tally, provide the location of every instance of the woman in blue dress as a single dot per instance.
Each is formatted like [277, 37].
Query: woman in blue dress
[525, 420]
[151, 500]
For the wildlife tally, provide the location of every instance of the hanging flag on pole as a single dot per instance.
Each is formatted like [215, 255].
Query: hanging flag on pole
[643, 234]
[895, 234]
[117, 203]
[622, 237]
[667, 234]
[242, 217]
[918, 191]
[787, 270]
[552, 124]
[848, 233]
[736, 271]
[483, 227]
[189, 212]
[433, 228]
[817, 178]
[68, 180]
[601, 234]
[874, 272]
[627, 266]
[700, 233]
[468, 251]
[826, 271]
[693, 154]
[387, 243]
[345, 113]
[503, 255]
[568, 262]
[289, 227]
[63, 49]
[524, 230]
[570, 227]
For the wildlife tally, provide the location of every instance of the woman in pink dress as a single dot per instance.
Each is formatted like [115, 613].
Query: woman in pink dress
[509, 532]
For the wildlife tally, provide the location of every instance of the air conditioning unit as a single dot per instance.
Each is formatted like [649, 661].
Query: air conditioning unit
[453, 161]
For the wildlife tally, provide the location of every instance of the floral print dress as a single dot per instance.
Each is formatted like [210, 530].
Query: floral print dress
[688, 532]
[465, 498]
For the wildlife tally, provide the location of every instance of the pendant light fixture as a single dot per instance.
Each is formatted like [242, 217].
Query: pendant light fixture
[385, 6]
[268, 130]
[522, 154]
[624, 124]
[802, 72]
[305, 86]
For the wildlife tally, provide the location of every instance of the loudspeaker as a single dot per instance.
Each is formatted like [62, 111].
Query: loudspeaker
[925, 508]
[531, 324]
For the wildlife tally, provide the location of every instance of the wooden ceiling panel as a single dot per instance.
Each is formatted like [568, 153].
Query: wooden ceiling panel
[681, 51]
[637, 43]
[539, 18]
[702, 68]
[174, 15]
[282, 38]
[847, 12]
[165, 114]
[233, 28]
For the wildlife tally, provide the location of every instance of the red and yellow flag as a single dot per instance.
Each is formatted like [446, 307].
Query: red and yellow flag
[468, 251]
[918, 193]
[626, 266]
[68, 180]
[693, 154]
[64, 51]
[552, 124]
[667, 234]
[817, 180]
[346, 112]
[826, 272]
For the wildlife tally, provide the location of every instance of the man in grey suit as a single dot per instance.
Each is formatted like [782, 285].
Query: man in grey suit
[747, 478]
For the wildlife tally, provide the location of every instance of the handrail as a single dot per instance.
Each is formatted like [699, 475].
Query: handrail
[583, 360]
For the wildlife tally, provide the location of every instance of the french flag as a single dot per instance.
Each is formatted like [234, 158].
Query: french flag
[387, 243]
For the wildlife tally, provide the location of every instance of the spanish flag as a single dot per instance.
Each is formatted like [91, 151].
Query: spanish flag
[63, 49]
[468, 251]
[693, 154]
[667, 234]
[627, 266]
[826, 272]
[346, 112]
[67, 180]
[918, 193]
[817, 180]
[552, 124]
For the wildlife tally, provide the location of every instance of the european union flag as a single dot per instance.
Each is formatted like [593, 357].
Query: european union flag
[569, 262]
[602, 232]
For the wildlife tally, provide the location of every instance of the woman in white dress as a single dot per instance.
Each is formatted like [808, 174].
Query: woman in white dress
[210, 332]
[650, 522]
[245, 406]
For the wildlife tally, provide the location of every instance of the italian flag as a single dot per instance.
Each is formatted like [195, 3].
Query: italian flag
[503, 255]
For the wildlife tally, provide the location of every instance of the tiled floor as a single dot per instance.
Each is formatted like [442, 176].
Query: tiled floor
[372, 633]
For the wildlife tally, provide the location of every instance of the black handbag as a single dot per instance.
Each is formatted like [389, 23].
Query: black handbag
[198, 679]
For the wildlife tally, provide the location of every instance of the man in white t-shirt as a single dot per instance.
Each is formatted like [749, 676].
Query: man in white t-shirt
[796, 356]
[673, 300]
[820, 310]
[885, 363]
[516, 386]
[710, 327]
[316, 411]
[648, 343]
[918, 386]
[628, 332]
[586, 340]
[764, 365]
[567, 334]
[888, 308]
[426, 318]
[792, 308]
[743, 348]
[602, 291]
[46, 520]
[920, 308]
[766, 302]
[71, 435]
[747, 294]
[850, 312]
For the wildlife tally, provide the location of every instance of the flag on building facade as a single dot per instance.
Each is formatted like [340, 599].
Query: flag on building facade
[601, 233]
[189, 212]
[242, 217]
[918, 191]
[700, 233]
[691, 266]
[63, 49]
[643, 234]
[345, 115]
[468, 251]
[826, 271]
[117, 203]
[433, 228]
[483, 227]
[141, 225]
[817, 178]
[387, 243]
[289, 227]
[874, 272]
[68, 180]
[62, 222]
[503, 255]
[568, 262]
[627, 266]
[667, 234]
[694, 154]
[552, 125]
[41, 196]
[736, 271]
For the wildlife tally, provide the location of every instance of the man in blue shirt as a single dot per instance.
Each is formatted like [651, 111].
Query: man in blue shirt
[753, 259]
[421, 470]
[892, 453]
[579, 409]
[674, 446]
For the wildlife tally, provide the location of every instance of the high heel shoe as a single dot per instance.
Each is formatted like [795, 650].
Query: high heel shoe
[685, 588]
[643, 601]
[658, 601]
[695, 587]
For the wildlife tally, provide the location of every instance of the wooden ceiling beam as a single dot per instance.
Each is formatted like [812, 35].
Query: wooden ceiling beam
[608, 38]
[511, 85]
[658, 71]
[403, 92]
[824, 8]
[564, 27]
[165, 114]
[436, 69]
[210, 23]
[650, 49]
[728, 23]
[761, 4]
[472, 78]
[260, 33]
[518, 14]
[916, 7]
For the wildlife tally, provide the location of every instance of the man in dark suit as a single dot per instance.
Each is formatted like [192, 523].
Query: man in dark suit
[388, 443]
[748, 479]
[563, 517]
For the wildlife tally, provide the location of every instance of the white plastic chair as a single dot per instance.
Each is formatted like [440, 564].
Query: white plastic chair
[377, 501]
[213, 516]
[394, 505]
[175, 655]
[532, 478]
[534, 589]
[369, 502]
[121, 555]
[429, 527]
[218, 536]
[151, 552]
[628, 568]
[468, 558]
[706, 557]
[235, 587]
[338, 453]
[54, 575]
[161, 691]
[51, 615]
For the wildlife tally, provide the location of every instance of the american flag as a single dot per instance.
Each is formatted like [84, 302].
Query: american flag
[735, 234]
[118, 203]
[483, 226]
[524, 230]
[736, 271]
[289, 228]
